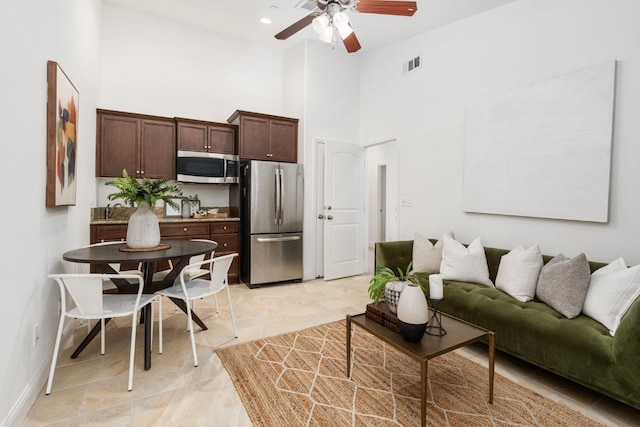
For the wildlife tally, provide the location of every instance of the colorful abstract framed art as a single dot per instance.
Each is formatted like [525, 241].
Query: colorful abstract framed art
[62, 141]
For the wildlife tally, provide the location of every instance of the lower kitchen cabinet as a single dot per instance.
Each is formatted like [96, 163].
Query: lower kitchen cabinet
[227, 235]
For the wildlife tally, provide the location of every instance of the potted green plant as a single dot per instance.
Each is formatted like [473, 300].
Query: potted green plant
[388, 285]
[143, 230]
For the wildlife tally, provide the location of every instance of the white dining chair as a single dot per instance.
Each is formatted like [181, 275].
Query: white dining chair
[191, 272]
[189, 290]
[92, 304]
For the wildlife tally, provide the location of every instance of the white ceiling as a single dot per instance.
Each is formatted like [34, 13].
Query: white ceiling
[241, 18]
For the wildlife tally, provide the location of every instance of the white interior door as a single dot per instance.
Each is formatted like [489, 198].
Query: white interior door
[344, 220]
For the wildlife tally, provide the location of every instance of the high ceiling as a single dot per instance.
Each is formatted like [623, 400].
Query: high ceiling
[241, 18]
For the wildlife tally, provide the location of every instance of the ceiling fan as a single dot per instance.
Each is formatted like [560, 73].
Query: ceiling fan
[329, 20]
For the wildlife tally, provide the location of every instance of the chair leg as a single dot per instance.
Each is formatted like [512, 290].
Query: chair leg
[102, 339]
[56, 348]
[132, 352]
[193, 338]
[160, 325]
[215, 298]
[151, 320]
[233, 319]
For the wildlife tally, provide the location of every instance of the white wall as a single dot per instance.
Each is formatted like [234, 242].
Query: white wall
[34, 237]
[521, 42]
[330, 113]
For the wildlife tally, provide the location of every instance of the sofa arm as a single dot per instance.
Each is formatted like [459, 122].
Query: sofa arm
[394, 255]
[626, 342]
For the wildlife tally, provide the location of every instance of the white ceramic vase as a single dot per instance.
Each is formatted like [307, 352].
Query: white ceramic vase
[413, 313]
[143, 230]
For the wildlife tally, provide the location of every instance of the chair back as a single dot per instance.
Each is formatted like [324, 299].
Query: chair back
[218, 268]
[86, 290]
[198, 258]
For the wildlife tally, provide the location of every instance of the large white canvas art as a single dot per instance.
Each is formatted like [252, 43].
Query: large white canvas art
[544, 149]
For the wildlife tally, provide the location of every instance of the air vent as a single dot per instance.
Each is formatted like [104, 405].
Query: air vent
[307, 4]
[411, 65]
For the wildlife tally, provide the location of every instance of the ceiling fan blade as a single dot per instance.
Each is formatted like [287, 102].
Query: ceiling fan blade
[385, 7]
[295, 27]
[351, 43]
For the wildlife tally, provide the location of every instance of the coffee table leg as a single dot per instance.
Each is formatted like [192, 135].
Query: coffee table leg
[492, 349]
[424, 366]
[348, 346]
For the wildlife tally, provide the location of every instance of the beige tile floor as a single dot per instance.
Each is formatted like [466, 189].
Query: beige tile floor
[92, 390]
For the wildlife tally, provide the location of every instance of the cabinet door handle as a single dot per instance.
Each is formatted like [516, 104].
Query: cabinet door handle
[184, 229]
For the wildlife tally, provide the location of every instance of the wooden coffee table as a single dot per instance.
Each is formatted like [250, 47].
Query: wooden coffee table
[459, 334]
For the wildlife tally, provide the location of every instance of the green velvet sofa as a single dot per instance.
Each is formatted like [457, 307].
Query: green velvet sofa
[579, 349]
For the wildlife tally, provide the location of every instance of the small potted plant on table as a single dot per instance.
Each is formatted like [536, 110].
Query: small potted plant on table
[143, 230]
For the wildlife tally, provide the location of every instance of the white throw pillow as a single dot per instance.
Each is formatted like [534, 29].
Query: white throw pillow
[427, 256]
[518, 272]
[464, 264]
[611, 292]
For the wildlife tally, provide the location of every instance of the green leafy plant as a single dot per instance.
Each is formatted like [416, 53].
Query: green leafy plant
[133, 191]
[385, 275]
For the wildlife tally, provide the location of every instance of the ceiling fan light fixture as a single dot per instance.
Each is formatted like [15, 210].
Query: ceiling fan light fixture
[320, 23]
[341, 21]
[327, 35]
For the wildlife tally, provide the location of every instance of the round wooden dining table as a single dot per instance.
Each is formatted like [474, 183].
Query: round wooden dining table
[103, 256]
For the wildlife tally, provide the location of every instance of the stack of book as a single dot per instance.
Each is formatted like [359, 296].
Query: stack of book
[380, 313]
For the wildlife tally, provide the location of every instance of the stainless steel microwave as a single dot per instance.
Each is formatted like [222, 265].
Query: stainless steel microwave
[206, 168]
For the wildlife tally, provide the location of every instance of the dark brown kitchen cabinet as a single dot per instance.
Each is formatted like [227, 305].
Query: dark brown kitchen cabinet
[143, 145]
[266, 137]
[195, 135]
[227, 235]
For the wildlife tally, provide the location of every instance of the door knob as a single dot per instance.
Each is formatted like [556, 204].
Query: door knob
[329, 217]
[320, 216]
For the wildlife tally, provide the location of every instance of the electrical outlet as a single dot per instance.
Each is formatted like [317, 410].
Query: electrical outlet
[36, 334]
[407, 203]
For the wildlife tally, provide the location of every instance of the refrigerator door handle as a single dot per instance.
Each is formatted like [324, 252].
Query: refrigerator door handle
[277, 195]
[282, 193]
[277, 239]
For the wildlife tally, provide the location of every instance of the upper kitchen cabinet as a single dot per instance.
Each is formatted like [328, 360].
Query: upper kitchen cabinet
[143, 145]
[195, 135]
[266, 137]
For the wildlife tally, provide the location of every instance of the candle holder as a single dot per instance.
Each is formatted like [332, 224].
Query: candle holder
[434, 324]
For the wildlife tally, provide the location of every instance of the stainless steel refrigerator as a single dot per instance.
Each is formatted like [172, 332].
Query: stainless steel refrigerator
[271, 215]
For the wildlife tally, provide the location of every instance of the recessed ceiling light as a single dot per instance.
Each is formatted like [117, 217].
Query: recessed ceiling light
[265, 20]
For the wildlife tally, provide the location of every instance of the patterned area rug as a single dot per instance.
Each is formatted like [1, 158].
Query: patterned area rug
[299, 379]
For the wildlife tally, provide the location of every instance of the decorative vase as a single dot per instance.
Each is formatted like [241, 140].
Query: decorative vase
[413, 313]
[392, 291]
[143, 230]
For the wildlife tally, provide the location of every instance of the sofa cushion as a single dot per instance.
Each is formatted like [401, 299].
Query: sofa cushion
[427, 257]
[519, 271]
[465, 264]
[563, 284]
[612, 290]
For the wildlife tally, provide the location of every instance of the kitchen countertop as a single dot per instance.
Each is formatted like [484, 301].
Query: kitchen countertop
[121, 216]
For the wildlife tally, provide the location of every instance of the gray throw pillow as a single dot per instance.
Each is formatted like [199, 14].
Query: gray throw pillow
[563, 284]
